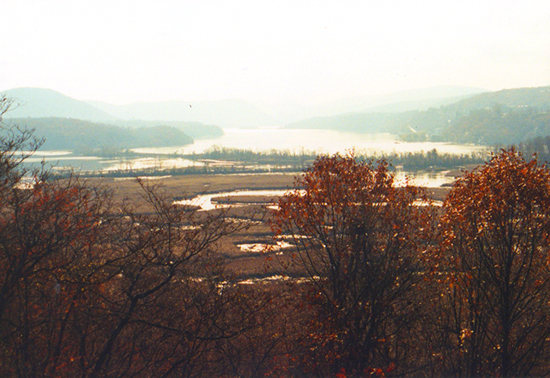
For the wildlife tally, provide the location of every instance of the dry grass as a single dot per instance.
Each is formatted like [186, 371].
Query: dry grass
[243, 263]
[188, 186]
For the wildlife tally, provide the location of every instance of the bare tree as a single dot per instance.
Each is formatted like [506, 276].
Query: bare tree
[93, 287]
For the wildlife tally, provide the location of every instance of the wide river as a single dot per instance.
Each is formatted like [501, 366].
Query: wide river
[265, 139]
[322, 141]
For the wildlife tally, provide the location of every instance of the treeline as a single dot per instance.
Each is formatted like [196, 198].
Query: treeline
[409, 161]
[249, 161]
[269, 157]
[426, 160]
[539, 147]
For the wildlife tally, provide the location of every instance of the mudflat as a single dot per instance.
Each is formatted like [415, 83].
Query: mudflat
[189, 186]
[247, 253]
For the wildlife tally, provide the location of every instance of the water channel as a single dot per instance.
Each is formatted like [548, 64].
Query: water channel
[208, 201]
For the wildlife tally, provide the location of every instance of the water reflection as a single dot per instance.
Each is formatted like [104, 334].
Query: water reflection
[427, 179]
[321, 141]
[263, 247]
[293, 141]
[208, 201]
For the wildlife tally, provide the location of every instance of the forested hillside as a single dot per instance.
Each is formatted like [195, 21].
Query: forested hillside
[47, 103]
[508, 116]
[498, 125]
[195, 130]
[503, 117]
[84, 136]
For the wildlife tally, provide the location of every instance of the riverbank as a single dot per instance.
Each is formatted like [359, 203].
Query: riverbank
[189, 186]
[244, 252]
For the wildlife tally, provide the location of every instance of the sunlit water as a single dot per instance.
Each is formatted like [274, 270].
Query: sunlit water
[292, 140]
[208, 201]
[321, 141]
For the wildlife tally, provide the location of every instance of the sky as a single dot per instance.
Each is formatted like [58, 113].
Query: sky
[309, 52]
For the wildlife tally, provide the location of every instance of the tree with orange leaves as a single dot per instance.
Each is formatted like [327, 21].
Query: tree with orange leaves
[357, 238]
[493, 265]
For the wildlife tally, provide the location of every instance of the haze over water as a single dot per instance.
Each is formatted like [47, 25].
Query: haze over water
[292, 140]
[321, 141]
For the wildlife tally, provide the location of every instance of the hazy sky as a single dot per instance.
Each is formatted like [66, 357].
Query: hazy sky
[123, 51]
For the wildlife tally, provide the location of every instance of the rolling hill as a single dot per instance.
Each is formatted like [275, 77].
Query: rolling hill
[41, 102]
[37, 102]
[453, 114]
[88, 137]
[502, 117]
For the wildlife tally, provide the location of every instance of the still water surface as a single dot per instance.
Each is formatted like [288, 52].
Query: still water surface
[321, 141]
[293, 140]
[208, 201]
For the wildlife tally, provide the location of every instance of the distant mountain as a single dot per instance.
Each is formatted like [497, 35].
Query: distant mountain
[459, 114]
[423, 97]
[225, 113]
[245, 114]
[416, 99]
[40, 102]
[195, 130]
[36, 102]
[388, 118]
[538, 97]
[501, 125]
[406, 106]
[503, 117]
[46, 103]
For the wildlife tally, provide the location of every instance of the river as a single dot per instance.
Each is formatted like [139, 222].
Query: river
[322, 141]
[265, 139]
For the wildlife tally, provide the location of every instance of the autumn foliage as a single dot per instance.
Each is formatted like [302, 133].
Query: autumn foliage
[397, 286]
[378, 279]
[92, 287]
[493, 263]
[359, 239]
